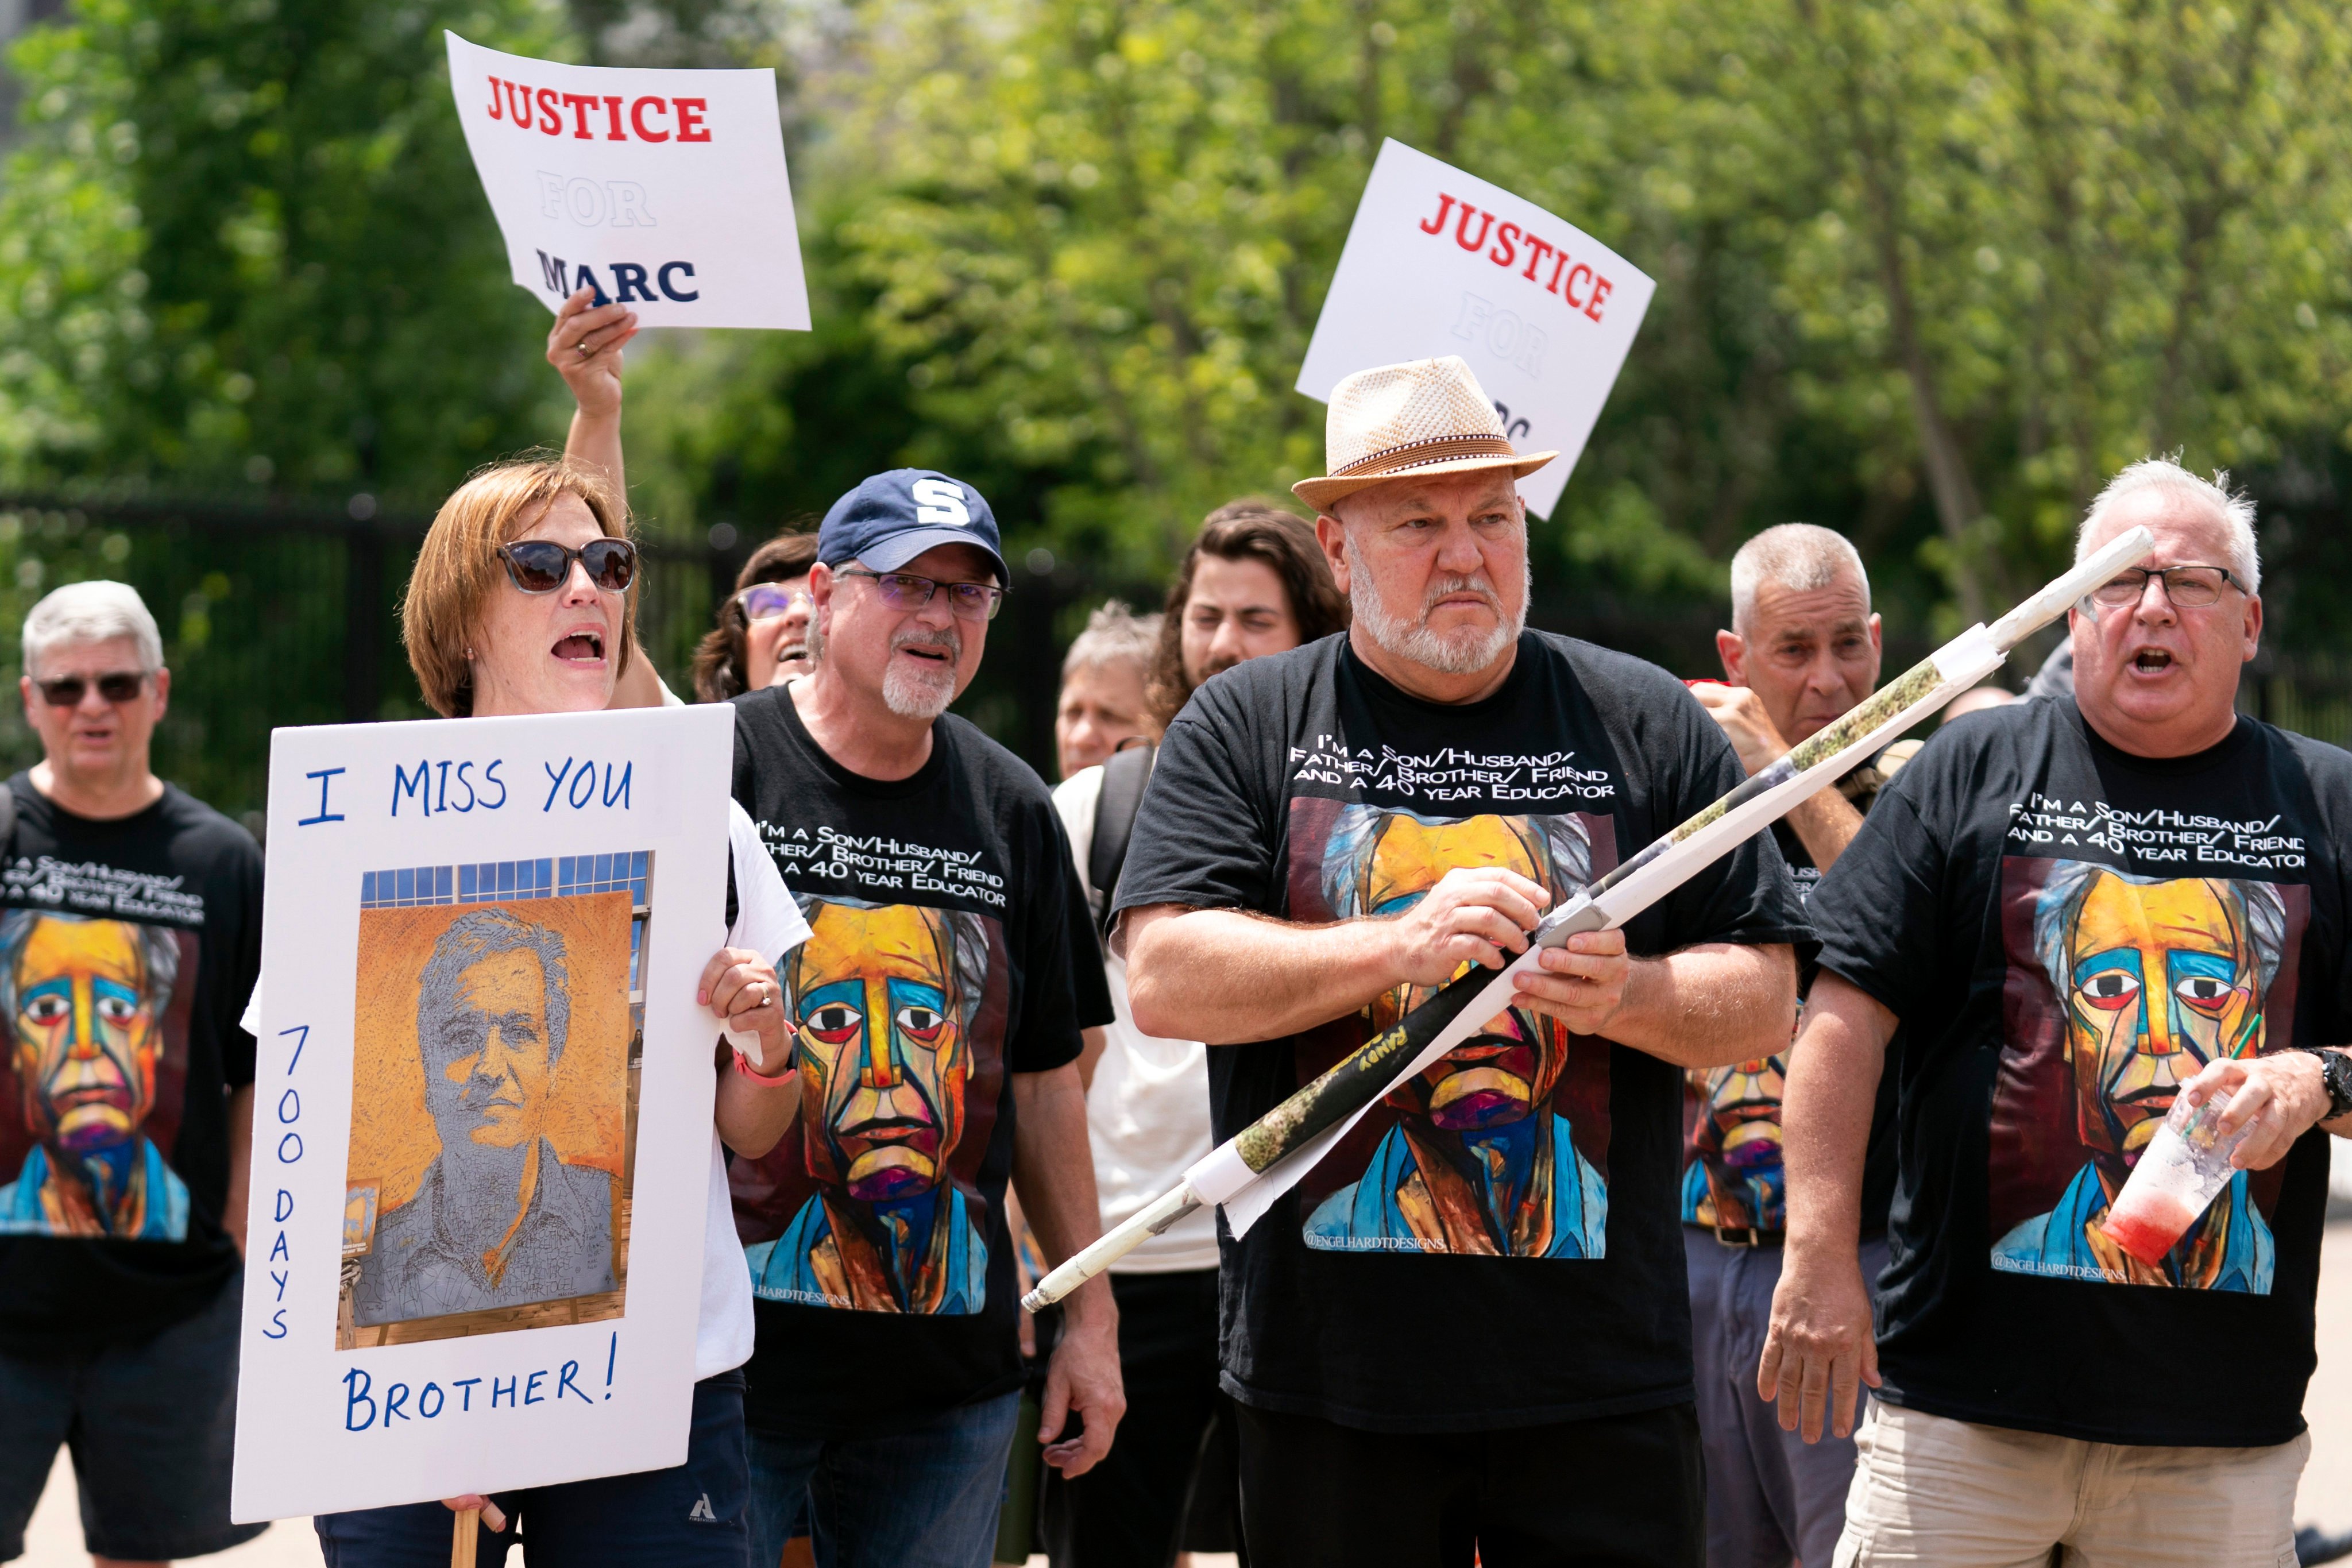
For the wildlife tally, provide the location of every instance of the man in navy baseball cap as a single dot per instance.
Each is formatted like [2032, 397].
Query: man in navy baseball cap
[949, 976]
[892, 518]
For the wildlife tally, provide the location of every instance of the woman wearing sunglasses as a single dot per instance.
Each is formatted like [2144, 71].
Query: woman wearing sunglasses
[520, 603]
[761, 638]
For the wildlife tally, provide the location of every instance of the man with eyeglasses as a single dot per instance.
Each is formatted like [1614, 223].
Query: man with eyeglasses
[939, 1013]
[2089, 911]
[130, 937]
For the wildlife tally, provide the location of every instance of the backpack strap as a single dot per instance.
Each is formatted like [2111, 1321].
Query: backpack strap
[1124, 776]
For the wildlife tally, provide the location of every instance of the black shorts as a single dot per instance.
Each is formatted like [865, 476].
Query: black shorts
[1624, 1490]
[151, 1425]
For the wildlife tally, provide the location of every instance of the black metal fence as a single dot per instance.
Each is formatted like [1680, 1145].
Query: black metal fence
[288, 614]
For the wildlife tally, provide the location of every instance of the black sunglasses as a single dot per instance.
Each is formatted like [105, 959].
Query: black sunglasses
[67, 690]
[541, 566]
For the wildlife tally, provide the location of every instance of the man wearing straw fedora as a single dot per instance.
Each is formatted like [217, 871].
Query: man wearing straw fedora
[1476, 1296]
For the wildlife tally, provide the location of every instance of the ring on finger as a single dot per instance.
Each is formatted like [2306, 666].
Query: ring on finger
[584, 349]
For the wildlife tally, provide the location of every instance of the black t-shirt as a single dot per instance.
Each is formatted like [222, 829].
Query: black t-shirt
[142, 937]
[1732, 1172]
[2067, 932]
[944, 911]
[1304, 785]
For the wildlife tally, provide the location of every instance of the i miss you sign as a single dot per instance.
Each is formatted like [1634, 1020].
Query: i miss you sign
[482, 1108]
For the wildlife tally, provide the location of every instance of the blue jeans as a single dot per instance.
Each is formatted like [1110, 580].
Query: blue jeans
[690, 1516]
[926, 1498]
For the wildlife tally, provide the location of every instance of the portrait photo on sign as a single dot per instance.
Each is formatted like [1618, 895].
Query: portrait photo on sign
[1501, 1148]
[494, 1081]
[872, 1203]
[93, 1079]
[2121, 989]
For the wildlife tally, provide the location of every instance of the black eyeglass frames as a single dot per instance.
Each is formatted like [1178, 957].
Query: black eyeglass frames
[2189, 587]
[904, 591]
[541, 566]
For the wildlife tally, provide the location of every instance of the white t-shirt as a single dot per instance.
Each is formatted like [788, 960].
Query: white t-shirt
[769, 922]
[1148, 1108]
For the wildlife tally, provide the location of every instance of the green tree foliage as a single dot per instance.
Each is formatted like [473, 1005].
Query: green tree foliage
[1927, 272]
[241, 244]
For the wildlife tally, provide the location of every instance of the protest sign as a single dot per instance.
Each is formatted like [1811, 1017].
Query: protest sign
[482, 1106]
[664, 190]
[1438, 262]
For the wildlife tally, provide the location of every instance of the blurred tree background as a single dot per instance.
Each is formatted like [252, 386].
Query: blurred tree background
[1927, 272]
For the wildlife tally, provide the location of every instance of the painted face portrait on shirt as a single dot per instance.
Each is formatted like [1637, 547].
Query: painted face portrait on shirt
[1391, 861]
[883, 997]
[87, 1022]
[2159, 978]
[1743, 1110]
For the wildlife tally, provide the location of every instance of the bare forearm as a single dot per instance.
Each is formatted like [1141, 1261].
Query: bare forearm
[1825, 825]
[1054, 1173]
[595, 440]
[240, 1165]
[1709, 1005]
[752, 1118]
[1825, 1109]
[1225, 977]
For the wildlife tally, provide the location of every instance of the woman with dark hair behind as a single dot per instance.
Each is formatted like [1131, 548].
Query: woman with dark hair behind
[1254, 582]
[762, 636]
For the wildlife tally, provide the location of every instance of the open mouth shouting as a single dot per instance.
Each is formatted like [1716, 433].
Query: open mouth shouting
[2151, 661]
[582, 648]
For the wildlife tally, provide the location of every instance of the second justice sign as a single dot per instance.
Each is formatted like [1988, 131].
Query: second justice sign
[1439, 262]
[662, 190]
[482, 1100]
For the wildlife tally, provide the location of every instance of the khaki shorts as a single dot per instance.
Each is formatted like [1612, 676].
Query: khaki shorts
[1928, 1490]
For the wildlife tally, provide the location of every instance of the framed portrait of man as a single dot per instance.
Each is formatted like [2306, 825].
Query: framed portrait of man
[496, 1036]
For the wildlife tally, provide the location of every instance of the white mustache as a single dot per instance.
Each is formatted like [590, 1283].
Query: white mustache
[948, 640]
[1480, 584]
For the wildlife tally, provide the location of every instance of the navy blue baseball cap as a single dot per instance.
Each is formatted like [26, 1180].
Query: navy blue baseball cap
[892, 518]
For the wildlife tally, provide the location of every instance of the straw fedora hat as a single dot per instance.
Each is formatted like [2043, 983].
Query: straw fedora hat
[1423, 416]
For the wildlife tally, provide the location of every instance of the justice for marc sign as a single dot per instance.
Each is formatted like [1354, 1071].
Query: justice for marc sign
[664, 190]
[1439, 262]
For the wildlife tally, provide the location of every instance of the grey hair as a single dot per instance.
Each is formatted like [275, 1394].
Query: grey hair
[2235, 507]
[2070, 882]
[1114, 635]
[93, 612]
[1800, 556]
[968, 937]
[1562, 846]
[478, 935]
[159, 946]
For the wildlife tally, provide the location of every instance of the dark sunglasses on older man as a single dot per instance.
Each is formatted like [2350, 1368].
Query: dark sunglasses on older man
[68, 691]
[541, 566]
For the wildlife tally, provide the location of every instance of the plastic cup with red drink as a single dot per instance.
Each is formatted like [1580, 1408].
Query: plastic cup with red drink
[2182, 1170]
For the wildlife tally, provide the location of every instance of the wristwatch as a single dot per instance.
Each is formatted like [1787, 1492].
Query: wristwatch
[2336, 1072]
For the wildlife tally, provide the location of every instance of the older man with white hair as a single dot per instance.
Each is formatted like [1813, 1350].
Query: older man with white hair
[1473, 1306]
[128, 944]
[2088, 914]
[1803, 647]
[939, 1006]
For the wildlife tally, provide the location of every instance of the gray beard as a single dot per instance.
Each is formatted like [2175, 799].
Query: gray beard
[912, 693]
[1465, 652]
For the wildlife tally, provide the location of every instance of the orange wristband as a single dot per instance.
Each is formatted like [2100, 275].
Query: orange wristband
[743, 1066]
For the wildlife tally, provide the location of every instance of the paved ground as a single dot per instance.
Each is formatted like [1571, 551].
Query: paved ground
[55, 1539]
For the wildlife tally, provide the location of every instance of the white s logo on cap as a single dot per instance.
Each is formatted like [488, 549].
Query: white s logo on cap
[941, 500]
